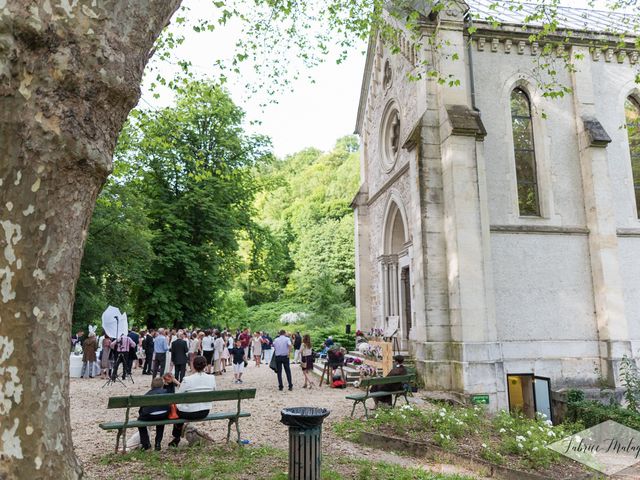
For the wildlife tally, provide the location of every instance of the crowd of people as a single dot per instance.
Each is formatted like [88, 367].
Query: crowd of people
[161, 350]
[166, 355]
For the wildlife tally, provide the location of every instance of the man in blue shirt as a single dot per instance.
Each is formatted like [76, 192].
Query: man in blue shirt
[160, 348]
[282, 349]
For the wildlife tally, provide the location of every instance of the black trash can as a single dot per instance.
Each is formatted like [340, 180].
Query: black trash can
[305, 441]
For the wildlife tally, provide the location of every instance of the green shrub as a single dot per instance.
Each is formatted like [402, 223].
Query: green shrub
[590, 413]
[319, 335]
[528, 438]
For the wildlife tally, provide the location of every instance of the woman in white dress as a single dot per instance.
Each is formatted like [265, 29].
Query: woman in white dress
[194, 346]
[225, 351]
[256, 347]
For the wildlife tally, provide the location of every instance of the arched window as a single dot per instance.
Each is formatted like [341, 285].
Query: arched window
[632, 114]
[525, 155]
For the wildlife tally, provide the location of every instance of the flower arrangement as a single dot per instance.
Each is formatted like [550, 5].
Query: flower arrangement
[365, 370]
[370, 351]
[77, 349]
[353, 360]
[376, 333]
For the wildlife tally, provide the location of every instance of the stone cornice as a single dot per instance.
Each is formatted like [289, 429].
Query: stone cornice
[628, 232]
[542, 229]
[517, 42]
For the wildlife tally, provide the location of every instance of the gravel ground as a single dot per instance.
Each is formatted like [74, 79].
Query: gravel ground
[89, 401]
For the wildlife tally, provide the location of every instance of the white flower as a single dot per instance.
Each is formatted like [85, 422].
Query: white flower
[502, 430]
[442, 436]
[551, 434]
[520, 438]
[535, 449]
[484, 445]
[442, 413]
[520, 445]
[448, 437]
[548, 422]
[529, 432]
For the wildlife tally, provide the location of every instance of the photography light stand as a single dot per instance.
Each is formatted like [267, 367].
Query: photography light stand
[121, 358]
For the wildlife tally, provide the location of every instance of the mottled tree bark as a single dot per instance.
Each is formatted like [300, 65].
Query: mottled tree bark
[70, 72]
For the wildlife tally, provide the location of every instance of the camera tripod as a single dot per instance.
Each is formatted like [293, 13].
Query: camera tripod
[122, 358]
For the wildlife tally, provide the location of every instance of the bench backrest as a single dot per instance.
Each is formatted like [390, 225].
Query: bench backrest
[368, 382]
[189, 397]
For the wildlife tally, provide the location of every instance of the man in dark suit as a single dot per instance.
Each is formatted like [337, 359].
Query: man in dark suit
[180, 355]
[147, 346]
[133, 351]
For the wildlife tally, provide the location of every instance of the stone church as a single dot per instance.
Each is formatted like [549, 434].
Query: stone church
[499, 227]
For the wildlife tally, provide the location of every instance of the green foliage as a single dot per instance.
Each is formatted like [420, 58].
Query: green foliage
[229, 308]
[631, 381]
[321, 333]
[117, 255]
[575, 395]
[527, 438]
[590, 413]
[304, 249]
[165, 236]
[197, 178]
[500, 439]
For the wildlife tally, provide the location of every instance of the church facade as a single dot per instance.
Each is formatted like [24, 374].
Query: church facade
[497, 226]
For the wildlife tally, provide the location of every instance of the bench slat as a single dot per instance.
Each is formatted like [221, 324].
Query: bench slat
[189, 397]
[140, 423]
[365, 382]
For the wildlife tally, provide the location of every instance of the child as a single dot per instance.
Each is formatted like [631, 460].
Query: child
[151, 414]
[238, 356]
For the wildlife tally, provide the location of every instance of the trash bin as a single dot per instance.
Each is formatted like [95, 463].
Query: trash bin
[305, 441]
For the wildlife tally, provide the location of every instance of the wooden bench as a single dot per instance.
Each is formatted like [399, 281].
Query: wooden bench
[370, 382]
[133, 401]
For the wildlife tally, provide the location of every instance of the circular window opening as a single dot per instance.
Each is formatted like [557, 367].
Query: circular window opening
[390, 137]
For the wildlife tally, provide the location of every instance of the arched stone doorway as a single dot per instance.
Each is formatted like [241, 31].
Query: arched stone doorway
[396, 272]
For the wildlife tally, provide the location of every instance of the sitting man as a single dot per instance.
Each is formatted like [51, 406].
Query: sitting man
[399, 369]
[151, 414]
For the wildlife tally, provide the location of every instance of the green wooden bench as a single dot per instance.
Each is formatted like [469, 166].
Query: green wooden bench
[133, 401]
[370, 382]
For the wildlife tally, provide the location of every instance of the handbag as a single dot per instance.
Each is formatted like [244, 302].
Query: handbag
[272, 364]
[173, 412]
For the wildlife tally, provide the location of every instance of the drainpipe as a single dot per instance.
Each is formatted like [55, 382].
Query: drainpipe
[468, 24]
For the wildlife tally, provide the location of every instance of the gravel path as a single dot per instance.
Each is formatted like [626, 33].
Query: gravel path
[89, 400]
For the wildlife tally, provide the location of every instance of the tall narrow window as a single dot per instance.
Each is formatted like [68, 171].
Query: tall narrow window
[632, 113]
[525, 154]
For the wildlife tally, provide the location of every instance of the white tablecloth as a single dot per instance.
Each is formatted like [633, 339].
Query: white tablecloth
[75, 365]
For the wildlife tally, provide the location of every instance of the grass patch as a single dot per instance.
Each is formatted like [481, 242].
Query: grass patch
[197, 462]
[503, 439]
[249, 462]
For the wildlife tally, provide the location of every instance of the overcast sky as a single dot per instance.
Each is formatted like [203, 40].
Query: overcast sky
[311, 115]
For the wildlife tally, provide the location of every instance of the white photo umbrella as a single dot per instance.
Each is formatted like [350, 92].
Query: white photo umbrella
[114, 322]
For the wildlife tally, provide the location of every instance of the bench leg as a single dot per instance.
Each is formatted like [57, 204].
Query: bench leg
[406, 398]
[118, 440]
[355, 402]
[124, 440]
[366, 410]
[238, 429]
[229, 430]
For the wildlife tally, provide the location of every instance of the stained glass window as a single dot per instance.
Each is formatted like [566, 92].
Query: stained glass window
[632, 114]
[525, 156]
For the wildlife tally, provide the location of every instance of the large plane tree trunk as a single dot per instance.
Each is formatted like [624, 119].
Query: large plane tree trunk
[70, 72]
